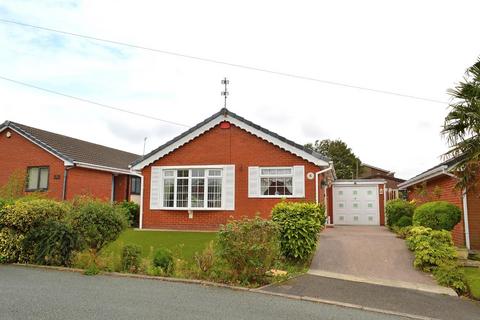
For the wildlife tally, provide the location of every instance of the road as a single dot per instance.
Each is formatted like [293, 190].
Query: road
[27, 293]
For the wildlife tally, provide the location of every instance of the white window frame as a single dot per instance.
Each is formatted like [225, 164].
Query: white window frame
[260, 176]
[189, 205]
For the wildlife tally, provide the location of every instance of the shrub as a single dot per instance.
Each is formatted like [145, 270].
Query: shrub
[249, 247]
[52, 243]
[97, 222]
[132, 211]
[163, 259]
[403, 232]
[396, 209]
[437, 215]
[299, 225]
[404, 221]
[205, 260]
[432, 248]
[451, 275]
[11, 245]
[131, 258]
[15, 186]
[24, 215]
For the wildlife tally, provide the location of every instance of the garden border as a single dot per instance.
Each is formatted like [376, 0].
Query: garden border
[236, 288]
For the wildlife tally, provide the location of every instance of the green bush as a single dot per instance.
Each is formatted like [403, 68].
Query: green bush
[299, 224]
[131, 258]
[437, 215]
[97, 222]
[24, 215]
[249, 247]
[451, 275]
[432, 248]
[132, 211]
[52, 243]
[404, 221]
[11, 245]
[402, 232]
[396, 210]
[163, 259]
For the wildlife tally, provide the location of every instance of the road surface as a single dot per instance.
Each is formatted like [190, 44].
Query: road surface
[27, 293]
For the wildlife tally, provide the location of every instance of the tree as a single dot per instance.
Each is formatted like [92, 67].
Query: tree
[462, 127]
[347, 164]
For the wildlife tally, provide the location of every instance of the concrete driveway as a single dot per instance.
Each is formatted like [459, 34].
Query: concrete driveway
[369, 252]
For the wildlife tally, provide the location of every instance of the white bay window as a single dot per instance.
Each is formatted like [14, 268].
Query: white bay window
[193, 188]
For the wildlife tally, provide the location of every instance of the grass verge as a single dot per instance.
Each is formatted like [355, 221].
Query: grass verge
[473, 281]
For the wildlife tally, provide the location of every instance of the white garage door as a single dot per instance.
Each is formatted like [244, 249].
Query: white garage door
[356, 205]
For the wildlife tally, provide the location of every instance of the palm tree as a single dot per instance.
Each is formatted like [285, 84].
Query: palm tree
[462, 127]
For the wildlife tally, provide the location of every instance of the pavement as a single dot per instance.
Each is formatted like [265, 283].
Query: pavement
[400, 300]
[28, 293]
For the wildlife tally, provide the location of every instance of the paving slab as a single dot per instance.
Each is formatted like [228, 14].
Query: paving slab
[393, 299]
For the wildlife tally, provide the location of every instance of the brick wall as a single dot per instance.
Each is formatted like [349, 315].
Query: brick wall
[17, 154]
[225, 146]
[441, 188]
[95, 183]
[473, 205]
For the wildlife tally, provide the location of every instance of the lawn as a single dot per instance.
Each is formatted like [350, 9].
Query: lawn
[473, 281]
[182, 244]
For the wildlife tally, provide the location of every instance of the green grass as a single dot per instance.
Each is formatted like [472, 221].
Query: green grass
[182, 244]
[473, 281]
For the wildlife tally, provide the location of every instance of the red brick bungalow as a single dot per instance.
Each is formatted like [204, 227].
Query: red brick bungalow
[438, 183]
[226, 167]
[65, 167]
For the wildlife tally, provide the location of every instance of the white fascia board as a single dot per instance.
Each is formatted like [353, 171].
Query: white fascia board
[102, 168]
[238, 123]
[424, 177]
[65, 161]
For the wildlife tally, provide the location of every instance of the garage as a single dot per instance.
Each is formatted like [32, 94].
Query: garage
[358, 202]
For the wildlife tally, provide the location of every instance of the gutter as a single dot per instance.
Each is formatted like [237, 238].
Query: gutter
[102, 168]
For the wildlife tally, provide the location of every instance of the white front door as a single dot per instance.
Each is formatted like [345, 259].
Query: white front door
[356, 205]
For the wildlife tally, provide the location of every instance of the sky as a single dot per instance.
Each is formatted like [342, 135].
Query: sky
[418, 48]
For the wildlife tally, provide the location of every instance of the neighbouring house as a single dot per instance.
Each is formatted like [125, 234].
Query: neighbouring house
[371, 172]
[64, 167]
[438, 183]
[227, 167]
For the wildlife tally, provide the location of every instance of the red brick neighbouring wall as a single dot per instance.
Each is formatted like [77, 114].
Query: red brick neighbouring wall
[473, 204]
[440, 189]
[225, 146]
[95, 183]
[17, 154]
